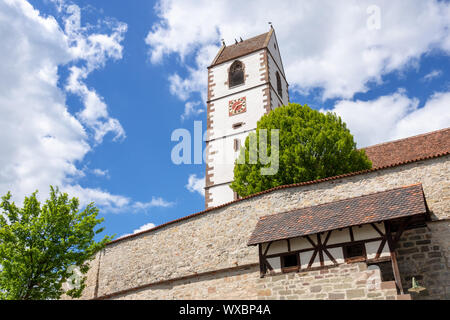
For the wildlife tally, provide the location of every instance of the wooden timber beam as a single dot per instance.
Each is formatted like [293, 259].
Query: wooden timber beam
[262, 264]
[391, 245]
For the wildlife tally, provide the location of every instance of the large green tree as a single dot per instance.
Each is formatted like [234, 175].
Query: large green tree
[41, 245]
[312, 145]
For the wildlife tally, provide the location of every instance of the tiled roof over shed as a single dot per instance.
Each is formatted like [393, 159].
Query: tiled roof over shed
[375, 207]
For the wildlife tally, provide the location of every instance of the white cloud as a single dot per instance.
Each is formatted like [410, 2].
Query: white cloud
[196, 184]
[192, 108]
[393, 117]
[324, 44]
[155, 202]
[100, 172]
[43, 143]
[94, 49]
[433, 74]
[146, 226]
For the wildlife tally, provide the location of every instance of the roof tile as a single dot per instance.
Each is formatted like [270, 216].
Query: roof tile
[375, 207]
[410, 148]
[242, 48]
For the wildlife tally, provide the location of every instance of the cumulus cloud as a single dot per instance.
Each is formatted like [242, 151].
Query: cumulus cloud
[146, 226]
[393, 117]
[433, 74]
[42, 142]
[325, 44]
[192, 108]
[100, 172]
[196, 184]
[155, 202]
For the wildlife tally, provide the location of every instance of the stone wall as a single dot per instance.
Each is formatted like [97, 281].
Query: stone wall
[217, 239]
[423, 253]
[347, 281]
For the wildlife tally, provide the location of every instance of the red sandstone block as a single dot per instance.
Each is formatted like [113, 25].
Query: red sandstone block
[404, 297]
[388, 285]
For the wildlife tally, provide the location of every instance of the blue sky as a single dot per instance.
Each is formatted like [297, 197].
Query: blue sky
[101, 86]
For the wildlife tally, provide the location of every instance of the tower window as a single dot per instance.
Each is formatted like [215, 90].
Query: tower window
[237, 144]
[279, 88]
[236, 74]
[237, 125]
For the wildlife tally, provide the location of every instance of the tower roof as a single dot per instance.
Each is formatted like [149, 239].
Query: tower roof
[243, 48]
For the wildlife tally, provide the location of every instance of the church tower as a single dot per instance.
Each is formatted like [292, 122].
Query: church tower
[245, 81]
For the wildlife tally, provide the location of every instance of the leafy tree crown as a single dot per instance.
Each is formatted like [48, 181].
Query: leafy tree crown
[312, 145]
[41, 245]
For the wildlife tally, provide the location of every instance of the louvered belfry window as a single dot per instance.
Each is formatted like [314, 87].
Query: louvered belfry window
[236, 74]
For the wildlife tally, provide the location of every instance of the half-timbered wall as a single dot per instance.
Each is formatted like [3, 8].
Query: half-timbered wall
[327, 248]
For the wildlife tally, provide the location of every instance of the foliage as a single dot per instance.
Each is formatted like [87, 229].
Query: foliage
[40, 246]
[312, 145]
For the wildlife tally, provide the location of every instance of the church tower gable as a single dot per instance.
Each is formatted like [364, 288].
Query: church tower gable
[245, 81]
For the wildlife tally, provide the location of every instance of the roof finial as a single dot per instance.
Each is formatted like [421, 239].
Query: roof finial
[241, 39]
[223, 42]
[235, 41]
[270, 24]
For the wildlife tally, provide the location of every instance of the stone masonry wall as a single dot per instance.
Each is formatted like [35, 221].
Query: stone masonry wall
[423, 253]
[347, 281]
[218, 238]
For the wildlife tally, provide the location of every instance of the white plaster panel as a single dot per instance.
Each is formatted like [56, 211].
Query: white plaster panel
[365, 232]
[275, 262]
[306, 256]
[339, 236]
[372, 248]
[278, 247]
[337, 253]
[300, 243]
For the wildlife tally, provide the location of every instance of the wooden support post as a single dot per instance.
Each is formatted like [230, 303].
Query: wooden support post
[395, 269]
[319, 247]
[262, 264]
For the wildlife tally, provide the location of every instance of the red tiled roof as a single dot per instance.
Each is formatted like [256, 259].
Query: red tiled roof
[410, 148]
[375, 207]
[242, 48]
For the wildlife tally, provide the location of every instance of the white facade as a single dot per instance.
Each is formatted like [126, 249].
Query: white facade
[260, 92]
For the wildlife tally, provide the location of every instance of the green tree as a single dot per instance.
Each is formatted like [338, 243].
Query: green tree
[40, 246]
[312, 145]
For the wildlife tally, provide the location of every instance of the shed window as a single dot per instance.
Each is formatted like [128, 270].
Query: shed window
[355, 252]
[290, 262]
[236, 74]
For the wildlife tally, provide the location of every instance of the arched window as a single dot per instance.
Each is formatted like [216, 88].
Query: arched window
[279, 88]
[236, 74]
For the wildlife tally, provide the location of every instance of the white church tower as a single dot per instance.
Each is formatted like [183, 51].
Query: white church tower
[245, 81]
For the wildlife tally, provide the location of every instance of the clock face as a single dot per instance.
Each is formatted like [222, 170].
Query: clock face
[237, 106]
